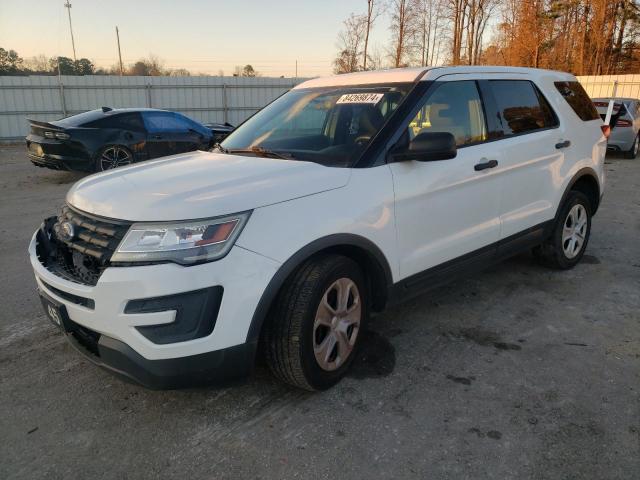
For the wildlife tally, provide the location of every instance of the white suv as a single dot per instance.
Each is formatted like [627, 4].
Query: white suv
[342, 195]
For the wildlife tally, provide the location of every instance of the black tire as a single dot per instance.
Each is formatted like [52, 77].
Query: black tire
[98, 160]
[633, 151]
[290, 337]
[552, 252]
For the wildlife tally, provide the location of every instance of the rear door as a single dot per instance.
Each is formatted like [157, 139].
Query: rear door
[448, 208]
[169, 133]
[533, 146]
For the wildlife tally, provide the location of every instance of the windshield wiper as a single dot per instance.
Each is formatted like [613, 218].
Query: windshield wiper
[258, 151]
[219, 147]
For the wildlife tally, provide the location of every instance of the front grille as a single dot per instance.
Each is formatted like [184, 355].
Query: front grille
[83, 257]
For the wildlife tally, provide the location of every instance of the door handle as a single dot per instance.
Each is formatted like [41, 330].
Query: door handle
[564, 144]
[485, 165]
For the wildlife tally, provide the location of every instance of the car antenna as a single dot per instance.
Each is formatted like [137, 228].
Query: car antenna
[106, 109]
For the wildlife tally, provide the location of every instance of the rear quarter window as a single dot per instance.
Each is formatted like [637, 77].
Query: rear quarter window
[578, 100]
[123, 121]
[521, 107]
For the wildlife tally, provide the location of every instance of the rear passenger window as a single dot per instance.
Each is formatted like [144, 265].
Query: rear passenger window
[521, 107]
[578, 99]
[164, 122]
[456, 108]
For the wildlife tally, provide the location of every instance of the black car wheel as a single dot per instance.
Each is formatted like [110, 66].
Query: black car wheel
[112, 156]
[314, 328]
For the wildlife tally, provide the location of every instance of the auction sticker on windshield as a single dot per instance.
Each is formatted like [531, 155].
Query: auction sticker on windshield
[371, 98]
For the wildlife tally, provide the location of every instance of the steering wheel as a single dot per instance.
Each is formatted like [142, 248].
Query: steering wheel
[362, 139]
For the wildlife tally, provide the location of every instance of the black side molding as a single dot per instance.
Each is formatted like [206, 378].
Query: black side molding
[302, 255]
[469, 263]
[583, 172]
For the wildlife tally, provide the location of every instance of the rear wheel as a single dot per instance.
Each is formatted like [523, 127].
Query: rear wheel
[112, 156]
[633, 151]
[570, 236]
[314, 329]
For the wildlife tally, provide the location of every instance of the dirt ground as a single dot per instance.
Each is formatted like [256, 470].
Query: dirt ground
[515, 373]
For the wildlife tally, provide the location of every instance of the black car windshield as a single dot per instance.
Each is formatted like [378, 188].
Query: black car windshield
[331, 126]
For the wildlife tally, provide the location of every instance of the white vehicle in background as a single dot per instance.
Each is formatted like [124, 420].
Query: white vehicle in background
[625, 124]
[340, 197]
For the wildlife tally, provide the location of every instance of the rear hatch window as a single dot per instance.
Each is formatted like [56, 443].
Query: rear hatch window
[80, 119]
[578, 100]
[602, 105]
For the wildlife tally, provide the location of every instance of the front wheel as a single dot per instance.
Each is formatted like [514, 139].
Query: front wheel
[567, 243]
[112, 156]
[315, 327]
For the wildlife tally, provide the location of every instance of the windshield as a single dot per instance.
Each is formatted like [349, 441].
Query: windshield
[331, 126]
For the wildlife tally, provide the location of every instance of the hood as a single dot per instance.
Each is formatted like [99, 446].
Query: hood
[200, 185]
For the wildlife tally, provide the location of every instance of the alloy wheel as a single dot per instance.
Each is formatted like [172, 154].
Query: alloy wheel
[574, 231]
[337, 324]
[113, 157]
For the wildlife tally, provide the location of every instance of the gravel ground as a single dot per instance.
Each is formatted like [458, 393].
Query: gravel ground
[518, 372]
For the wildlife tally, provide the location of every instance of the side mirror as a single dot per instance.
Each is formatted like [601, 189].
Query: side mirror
[427, 147]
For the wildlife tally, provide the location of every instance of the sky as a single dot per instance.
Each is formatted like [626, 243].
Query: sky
[199, 35]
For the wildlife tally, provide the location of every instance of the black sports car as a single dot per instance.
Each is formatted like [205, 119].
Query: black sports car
[107, 138]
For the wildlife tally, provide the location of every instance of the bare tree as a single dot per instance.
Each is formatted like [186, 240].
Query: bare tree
[429, 16]
[350, 42]
[478, 14]
[458, 13]
[37, 64]
[403, 30]
[151, 66]
[376, 61]
[373, 12]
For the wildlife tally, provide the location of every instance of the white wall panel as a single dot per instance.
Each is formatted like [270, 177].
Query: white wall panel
[201, 98]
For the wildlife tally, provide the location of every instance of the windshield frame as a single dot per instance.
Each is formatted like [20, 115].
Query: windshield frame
[357, 160]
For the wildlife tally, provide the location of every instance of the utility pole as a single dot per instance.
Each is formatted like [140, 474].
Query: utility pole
[296, 69]
[73, 43]
[119, 52]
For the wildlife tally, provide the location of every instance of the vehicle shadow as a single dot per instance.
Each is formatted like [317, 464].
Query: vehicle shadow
[54, 177]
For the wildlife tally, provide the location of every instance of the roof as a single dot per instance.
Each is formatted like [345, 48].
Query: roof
[403, 75]
[394, 75]
[91, 115]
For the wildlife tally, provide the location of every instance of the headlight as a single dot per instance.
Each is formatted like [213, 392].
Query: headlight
[188, 242]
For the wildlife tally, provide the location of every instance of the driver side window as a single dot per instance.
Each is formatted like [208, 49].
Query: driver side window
[456, 108]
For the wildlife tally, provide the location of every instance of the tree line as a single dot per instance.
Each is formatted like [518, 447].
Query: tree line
[11, 63]
[585, 37]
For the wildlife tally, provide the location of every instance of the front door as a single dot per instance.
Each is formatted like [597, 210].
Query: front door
[168, 133]
[448, 208]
